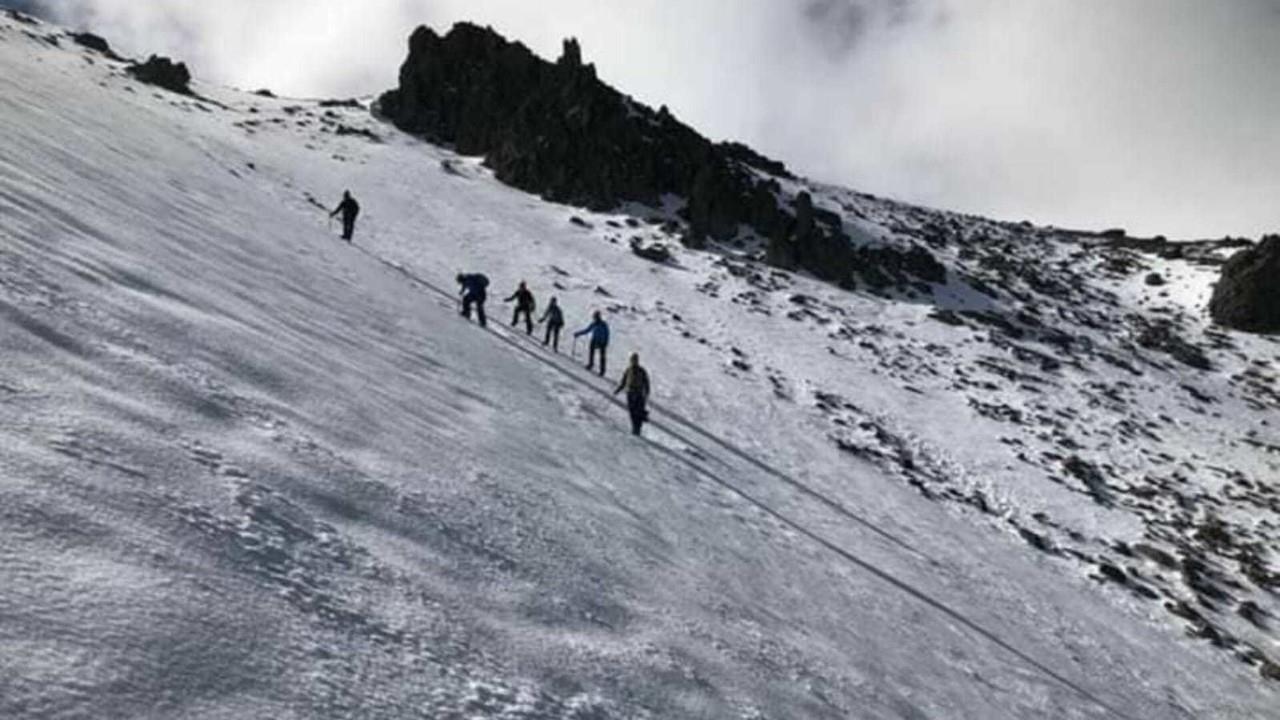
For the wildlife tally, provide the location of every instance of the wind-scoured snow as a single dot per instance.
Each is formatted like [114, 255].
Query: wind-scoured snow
[248, 470]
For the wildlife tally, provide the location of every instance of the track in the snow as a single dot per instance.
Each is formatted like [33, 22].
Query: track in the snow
[524, 345]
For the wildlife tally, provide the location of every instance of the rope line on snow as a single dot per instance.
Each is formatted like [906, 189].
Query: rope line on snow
[733, 449]
[884, 575]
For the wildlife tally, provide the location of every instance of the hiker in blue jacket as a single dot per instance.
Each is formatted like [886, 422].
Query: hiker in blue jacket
[599, 332]
[475, 290]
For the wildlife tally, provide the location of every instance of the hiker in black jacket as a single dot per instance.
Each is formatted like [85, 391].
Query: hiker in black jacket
[554, 318]
[474, 293]
[525, 305]
[350, 210]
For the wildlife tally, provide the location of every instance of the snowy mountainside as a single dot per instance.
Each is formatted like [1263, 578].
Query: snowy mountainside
[249, 471]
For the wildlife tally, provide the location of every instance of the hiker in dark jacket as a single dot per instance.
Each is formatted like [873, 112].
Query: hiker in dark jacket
[475, 290]
[350, 210]
[525, 305]
[599, 332]
[554, 319]
[636, 382]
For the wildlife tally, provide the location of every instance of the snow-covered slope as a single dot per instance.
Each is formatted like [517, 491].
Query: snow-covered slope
[250, 471]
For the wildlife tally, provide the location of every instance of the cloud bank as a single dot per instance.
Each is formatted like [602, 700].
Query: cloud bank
[1156, 115]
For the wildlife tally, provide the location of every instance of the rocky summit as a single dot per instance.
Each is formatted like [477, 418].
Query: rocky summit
[557, 130]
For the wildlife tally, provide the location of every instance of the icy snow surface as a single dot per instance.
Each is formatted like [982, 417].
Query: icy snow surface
[249, 471]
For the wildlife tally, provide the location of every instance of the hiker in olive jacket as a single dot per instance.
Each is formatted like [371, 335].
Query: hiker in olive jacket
[636, 382]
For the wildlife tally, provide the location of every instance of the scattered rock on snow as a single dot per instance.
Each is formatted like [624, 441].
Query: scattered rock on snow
[1162, 336]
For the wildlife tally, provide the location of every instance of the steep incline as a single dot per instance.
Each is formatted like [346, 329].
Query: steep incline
[248, 471]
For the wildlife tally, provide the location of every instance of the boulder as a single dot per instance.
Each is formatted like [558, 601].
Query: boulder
[1248, 293]
[654, 253]
[164, 73]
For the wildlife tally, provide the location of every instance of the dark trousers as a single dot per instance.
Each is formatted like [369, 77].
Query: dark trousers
[591, 357]
[478, 302]
[553, 336]
[528, 319]
[348, 228]
[637, 406]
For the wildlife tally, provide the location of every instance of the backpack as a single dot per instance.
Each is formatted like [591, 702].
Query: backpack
[482, 282]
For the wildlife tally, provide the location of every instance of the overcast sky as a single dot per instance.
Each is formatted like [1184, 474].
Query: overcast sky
[1162, 116]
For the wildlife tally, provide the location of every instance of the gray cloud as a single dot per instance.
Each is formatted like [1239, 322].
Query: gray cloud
[31, 7]
[1158, 115]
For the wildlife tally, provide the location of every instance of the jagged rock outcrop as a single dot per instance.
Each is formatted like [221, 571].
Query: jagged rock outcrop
[552, 128]
[556, 130]
[165, 73]
[1248, 294]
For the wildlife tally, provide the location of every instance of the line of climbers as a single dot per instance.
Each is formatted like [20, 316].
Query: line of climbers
[475, 291]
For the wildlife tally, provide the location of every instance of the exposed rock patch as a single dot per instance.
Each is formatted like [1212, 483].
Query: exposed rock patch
[1248, 295]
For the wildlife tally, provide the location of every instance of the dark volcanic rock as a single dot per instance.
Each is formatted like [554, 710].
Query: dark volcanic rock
[93, 42]
[556, 130]
[1248, 294]
[1094, 481]
[163, 72]
[751, 158]
[17, 14]
[348, 103]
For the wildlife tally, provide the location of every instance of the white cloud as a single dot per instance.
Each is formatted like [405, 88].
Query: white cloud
[1158, 115]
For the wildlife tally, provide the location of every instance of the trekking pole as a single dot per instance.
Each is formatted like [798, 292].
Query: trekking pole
[574, 354]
